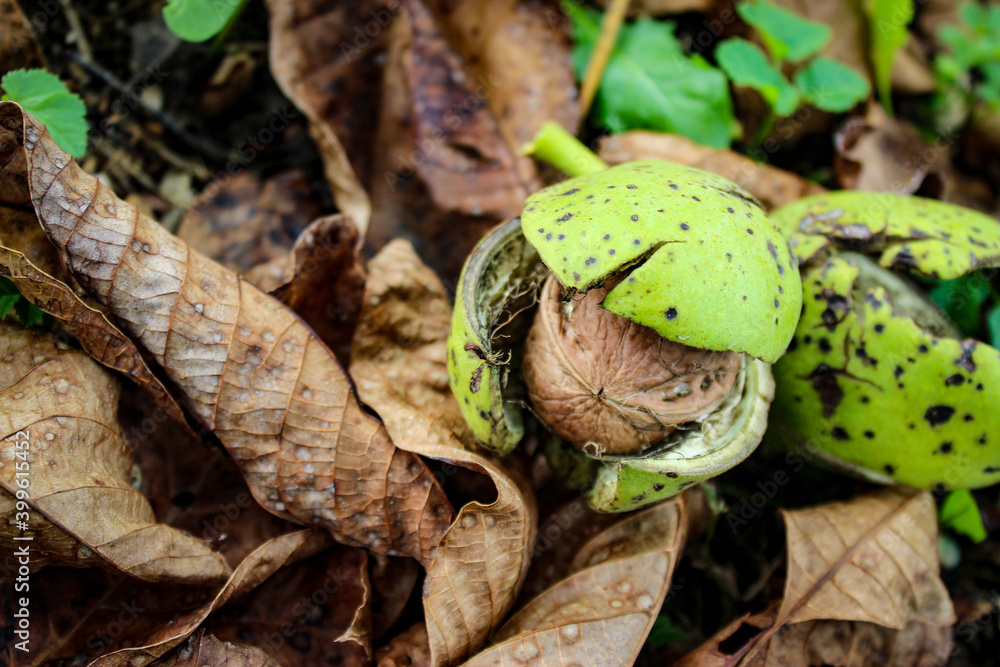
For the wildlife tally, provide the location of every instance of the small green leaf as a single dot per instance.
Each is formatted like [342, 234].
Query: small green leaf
[887, 25]
[785, 33]
[11, 299]
[650, 84]
[747, 65]
[665, 632]
[199, 20]
[830, 85]
[993, 326]
[45, 96]
[960, 513]
[962, 299]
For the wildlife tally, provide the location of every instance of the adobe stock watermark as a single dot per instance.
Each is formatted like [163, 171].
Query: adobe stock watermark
[21, 550]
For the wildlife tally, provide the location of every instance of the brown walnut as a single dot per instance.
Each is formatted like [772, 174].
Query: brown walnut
[611, 386]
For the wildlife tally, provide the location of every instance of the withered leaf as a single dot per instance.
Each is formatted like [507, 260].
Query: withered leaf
[872, 559]
[18, 46]
[248, 220]
[58, 421]
[101, 339]
[772, 186]
[207, 651]
[398, 360]
[407, 649]
[826, 643]
[314, 49]
[248, 368]
[255, 568]
[602, 611]
[316, 612]
[326, 281]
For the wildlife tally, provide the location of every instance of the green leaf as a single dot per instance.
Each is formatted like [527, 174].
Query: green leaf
[650, 84]
[993, 326]
[747, 65]
[887, 25]
[786, 34]
[960, 513]
[11, 299]
[831, 85]
[45, 96]
[199, 20]
[962, 300]
[664, 632]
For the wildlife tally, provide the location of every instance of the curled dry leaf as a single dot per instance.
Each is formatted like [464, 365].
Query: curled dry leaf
[249, 220]
[101, 339]
[826, 643]
[207, 651]
[326, 281]
[248, 368]
[58, 417]
[316, 612]
[873, 559]
[887, 155]
[602, 611]
[771, 186]
[256, 568]
[399, 362]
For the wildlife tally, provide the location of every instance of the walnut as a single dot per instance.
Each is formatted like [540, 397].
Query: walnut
[611, 386]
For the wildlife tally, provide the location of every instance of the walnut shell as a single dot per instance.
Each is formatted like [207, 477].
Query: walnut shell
[611, 386]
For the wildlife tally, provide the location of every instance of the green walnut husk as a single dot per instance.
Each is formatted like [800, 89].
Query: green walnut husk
[706, 269]
[876, 381]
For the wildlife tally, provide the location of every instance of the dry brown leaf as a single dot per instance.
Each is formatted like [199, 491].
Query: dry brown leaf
[517, 55]
[255, 569]
[834, 643]
[58, 424]
[602, 611]
[873, 559]
[409, 648]
[772, 186]
[248, 368]
[323, 65]
[206, 651]
[886, 154]
[399, 363]
[249, 220]
[101, 339]
[193, 484]
[317, 612]
[393, 581]
[18, 46]
[327, 282]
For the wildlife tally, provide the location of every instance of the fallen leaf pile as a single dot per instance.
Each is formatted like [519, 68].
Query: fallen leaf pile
[242, 442]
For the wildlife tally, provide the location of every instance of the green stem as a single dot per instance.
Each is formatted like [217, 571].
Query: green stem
[561, 149]
[224, 33]
[764, 129]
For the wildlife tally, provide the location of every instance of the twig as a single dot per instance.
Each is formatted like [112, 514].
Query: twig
[611, 25]
[201, 144]
[76, 29]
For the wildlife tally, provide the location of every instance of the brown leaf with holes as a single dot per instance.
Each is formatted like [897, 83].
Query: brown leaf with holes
[101, 339]
[58, 422]
[772, 186]
[255, 569]
[207, 651]
[326, 281]
[601, 612]
[398, 360]
[248, 368]
[825, 643]
[246, 220]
